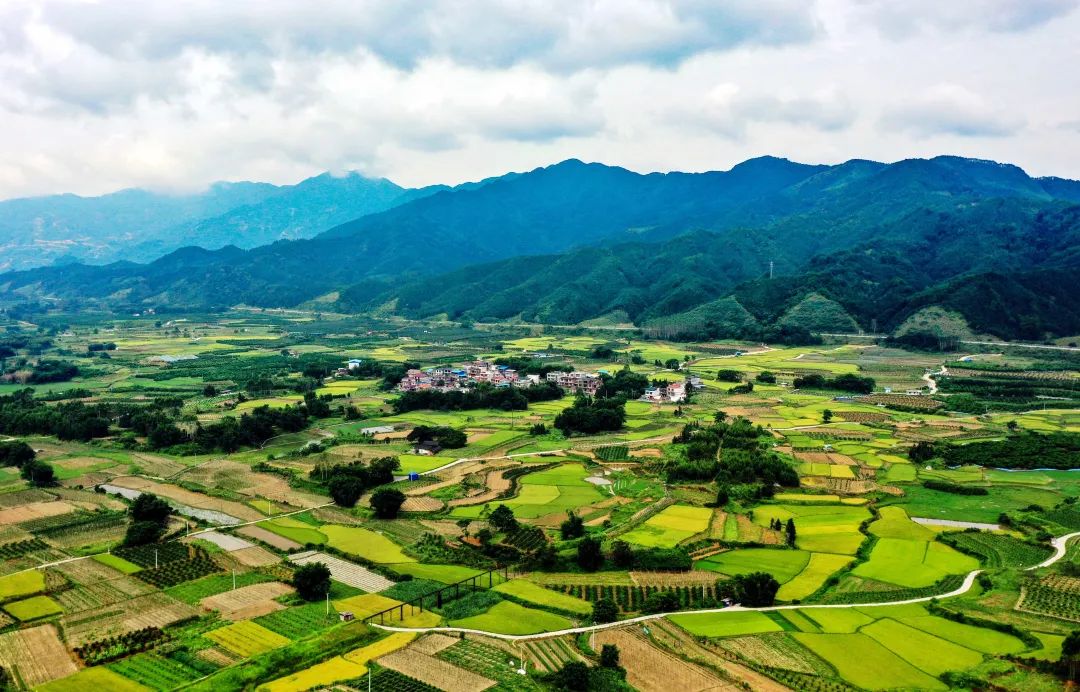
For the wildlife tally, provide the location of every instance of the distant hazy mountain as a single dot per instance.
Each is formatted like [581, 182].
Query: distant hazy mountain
[851, 244]
[139, 225]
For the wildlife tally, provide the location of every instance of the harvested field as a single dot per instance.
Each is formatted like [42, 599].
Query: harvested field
[84, 497]
[246, 639]
[25, 497]
[421, 504]
[649, 668]
[268, 537]
[189, 498]
[667, 579]
[34, 510]
[155, 465]
[345, 572]
[239, 478]
[36, 654]
[496, 483]
[705, 651]
[434, 672]
[224, 540]
[775, 650]
[248, 601]
[255, 556]
[433, 644]
[152, 610]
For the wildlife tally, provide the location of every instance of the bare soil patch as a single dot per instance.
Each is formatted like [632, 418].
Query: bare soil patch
[248, 601]
[34, 510]
[434, 671]
[37, 654]
[649, 668]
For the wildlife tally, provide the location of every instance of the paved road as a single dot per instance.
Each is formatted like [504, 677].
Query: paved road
[1058, 543]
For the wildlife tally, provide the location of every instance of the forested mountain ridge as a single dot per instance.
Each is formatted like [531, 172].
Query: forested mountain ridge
[867, 241]
[140, 225]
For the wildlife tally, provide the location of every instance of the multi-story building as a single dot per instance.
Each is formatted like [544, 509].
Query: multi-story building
[577, 381]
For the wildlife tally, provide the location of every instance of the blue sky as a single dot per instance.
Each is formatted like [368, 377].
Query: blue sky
[97, 96]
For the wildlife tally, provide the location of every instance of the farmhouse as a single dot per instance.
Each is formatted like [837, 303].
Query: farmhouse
[672, 392]
[447, 378]
[576, 381]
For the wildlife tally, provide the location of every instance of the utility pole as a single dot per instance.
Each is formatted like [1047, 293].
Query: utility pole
[155, 558]
[234, 579]
[770, 269]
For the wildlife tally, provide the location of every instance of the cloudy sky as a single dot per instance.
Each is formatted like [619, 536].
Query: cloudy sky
[174, 94]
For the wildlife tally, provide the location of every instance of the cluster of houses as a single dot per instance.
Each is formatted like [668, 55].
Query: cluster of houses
[446, 379]
[672, 392]
[576, 381]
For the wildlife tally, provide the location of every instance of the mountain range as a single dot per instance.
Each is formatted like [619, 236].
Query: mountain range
[944, 243]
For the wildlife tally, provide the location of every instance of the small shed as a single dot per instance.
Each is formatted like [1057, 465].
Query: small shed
[414, 476]
[346, 616]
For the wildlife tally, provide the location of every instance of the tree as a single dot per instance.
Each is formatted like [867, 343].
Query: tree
[790, 531]
[723, 494]
[622, 554]
[16, 453]
[209, 390]
[921, 451]
[756, 590]
[573, 527]
[38, 473]
[661, 602]
[538, 429]
[312, 581]
[148, 507]
[1070, 652]
[766, 377]
[386, 502]
[720, 416]
[589, 555]
[604, 610]
[826, 416]
[484, 536]
[573, 676]
[503, 519]
[345, 490]
[609, 656]
[463, 524]
[143, 532]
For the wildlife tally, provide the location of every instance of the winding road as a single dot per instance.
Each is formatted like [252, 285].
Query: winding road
[1060, 545]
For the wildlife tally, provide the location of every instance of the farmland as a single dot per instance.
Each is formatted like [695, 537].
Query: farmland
[530, 502]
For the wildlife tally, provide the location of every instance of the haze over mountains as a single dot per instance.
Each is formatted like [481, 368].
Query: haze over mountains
[968, 244]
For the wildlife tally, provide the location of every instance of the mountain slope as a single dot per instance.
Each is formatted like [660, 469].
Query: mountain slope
[140, 225]
[576, 241]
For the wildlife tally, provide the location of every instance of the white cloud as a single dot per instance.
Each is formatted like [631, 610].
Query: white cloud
[97, 95]
[949, 109]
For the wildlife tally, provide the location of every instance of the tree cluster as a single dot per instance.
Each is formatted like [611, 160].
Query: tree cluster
[347, 482]
[149, 517]
[483, 395]
[1028, 450]
[446, 437]
[589, 416]
[847, 382]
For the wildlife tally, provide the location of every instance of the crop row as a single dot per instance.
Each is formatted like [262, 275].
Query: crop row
[1056, 596]
[112, 648]
[999, 550]
[387, 680]
[156, 671]
[527, 538]
[949, 583]
[157, 554]
[67, 521]
[179, 571]
[19, 548]
[631, 598]
[481, 659]
[613, 453]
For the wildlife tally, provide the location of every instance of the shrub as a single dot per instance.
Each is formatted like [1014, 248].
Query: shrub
[312, 581]
[387, 502]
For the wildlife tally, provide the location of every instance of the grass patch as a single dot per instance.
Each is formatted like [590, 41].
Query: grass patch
[33, 608]
[817, 570]
[864, 662]
[782, 564]
[22, 584]
[365, 543]
[533, 593]
[97, 678]
[246, 638]
[118, 563]
[923, 650]
[732, 624]
[670, 527]
[447, 574]
[913, 563]
[295, 530]
[511, 618]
